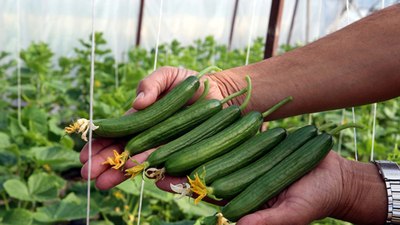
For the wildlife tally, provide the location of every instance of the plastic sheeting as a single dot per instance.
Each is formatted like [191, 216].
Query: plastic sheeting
[61, 23]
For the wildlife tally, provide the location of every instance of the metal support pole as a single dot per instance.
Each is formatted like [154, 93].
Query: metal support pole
[140, 20]
[292, 22]
[233, 24]
[272, 36]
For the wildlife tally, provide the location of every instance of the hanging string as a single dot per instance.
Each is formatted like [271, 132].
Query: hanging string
[19, 94]
[158, 34]
[90, 114]
[374, 108]
[352, 108]
[154, 68]
[310, 115]
[116, 65]
[251, 32]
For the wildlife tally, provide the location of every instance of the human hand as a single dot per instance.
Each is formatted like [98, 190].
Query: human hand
[337, 188]
[149, 90]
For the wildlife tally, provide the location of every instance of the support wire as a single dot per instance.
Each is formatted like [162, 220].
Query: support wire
[251, 32]
[91, 113]
[154, 68]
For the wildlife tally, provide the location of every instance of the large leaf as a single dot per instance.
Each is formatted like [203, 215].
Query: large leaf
[202, 209]
[57, 157]
[17, 189]
[133, 187]
[44, 187]
[70, 208]
[37, 119]
[7, 157]
[157, 221]
[4, 140]
[17, 217]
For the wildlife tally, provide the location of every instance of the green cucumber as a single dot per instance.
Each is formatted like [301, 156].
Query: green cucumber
[179, 123]
[152, 115]
[182, 162]
[232, 184]
[185, 160]
[206, 129]
[241, 156]
[174, 126]
[278, 178]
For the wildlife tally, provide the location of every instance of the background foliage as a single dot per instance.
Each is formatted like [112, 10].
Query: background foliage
[40, 179]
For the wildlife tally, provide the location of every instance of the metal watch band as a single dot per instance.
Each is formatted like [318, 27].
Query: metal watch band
[390, 172]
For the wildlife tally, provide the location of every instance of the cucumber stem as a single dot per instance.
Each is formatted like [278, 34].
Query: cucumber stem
[205, 92]
[244, 90]
[277, 106]
[248, 96]
[326, 126]
[207, 70]
[344, 126]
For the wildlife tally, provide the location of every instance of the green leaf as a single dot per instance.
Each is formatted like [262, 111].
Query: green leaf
[7, 158]
[57, 157]
[43, 187]
[157, 221]
[150, 190]
[202, 209]
[70, 208]
[17, 217]
[37, 119]
[17, 189]
[4, 140]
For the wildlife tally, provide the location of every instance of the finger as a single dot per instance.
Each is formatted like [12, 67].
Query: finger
[151, 87]
[131, 110]
[161, 80]
[112, 177]
[164, 184]
[97, 166]
[97, 146]
[280, 215]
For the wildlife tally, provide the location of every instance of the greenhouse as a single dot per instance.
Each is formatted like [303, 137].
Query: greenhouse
[199, 112]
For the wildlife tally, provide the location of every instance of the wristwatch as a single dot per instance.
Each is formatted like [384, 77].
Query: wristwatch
[390, 172]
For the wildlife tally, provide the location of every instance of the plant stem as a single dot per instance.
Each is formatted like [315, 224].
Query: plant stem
[344, 126]
[207, 70]
[5, 201]
[277, 106]
[205, 92]
[248, 96]
[244, 90]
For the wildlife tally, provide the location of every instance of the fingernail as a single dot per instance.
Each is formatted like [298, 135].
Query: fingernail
[139, 96]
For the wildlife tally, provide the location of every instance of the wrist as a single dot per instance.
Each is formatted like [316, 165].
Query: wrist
[363, 199]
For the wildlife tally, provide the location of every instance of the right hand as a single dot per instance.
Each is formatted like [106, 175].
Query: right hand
[149, 90]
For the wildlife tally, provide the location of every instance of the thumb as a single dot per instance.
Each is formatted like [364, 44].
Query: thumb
[148, 92]
[158, 82]
[276, 216]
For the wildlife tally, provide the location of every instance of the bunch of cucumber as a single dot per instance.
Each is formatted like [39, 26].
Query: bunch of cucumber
[222, 152]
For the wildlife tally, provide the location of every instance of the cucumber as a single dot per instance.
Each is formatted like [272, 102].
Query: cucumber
[241, 156]
[173, 126]
[211, 126]
[208, 128]
[179, 123]
[155, 113]
[278, 178]
[144, 119]
[182, 162]
[232, 184]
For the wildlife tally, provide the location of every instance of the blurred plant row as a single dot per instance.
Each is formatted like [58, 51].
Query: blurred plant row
[40, 170]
